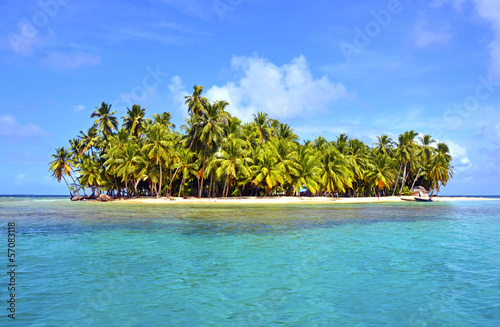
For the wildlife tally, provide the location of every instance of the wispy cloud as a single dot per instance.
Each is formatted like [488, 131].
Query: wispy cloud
[489, 10]
[178, 91]
[71, 61]
[12, 131]
[79, 108]
[196, 8]
[427, 35]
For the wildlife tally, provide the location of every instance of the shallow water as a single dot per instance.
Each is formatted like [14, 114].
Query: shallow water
[394, 264]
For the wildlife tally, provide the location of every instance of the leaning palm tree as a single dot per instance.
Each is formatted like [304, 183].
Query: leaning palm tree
[443, 151]
[61, 166]
[134, 120]
[88, 141]
[106, 122]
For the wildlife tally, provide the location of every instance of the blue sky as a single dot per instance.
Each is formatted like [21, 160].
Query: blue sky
[364, 68]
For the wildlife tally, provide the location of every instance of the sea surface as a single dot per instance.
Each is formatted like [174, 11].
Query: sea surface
[388, 264]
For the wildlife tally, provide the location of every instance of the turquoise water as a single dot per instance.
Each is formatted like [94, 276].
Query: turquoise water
[401, 264]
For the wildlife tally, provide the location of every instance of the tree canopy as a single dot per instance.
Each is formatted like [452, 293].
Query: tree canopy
[217, 155]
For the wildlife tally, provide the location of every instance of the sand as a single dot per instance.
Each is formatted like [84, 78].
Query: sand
[282, 200]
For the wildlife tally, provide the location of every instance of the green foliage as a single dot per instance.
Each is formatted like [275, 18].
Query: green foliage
[218, 155]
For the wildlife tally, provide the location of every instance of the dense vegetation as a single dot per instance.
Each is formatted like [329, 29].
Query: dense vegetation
[218, 156]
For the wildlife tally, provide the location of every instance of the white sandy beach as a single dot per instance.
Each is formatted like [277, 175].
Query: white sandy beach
[282, 200]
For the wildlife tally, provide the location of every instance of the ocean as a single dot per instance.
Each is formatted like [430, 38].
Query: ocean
[116, 264]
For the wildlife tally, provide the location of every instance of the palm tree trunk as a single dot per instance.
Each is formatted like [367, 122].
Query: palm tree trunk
[211, 184]
[200, 191]
[180, 188]
[404, 180]
[77, 192]
[229, 184]
[194, 137]
[135, 186]
[161, 177]
[416, 177]
[172, 180]
[69, 189]
[397, 180]
[116, 185]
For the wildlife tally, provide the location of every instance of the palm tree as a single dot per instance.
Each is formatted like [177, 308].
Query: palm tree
[439, 171]
[403, 153]
[232, 160]
[381, 172]
[127, 164]
[335, 174]
[307, 173]
[357, 155]
[134, 120]
[90, 172]
[384, 145]
[157, 148]
[195, 102]
[61, 166]
[105, 122]
[88, 141]
[284, 131]
[342, 143]
[443, 151]
[212, 131]
[249, 133]
[425, 153]
[320, 143]
[267, 171]
[261, 120]
[186, 166]
[164, 119]
[74, 149]
[286, 155]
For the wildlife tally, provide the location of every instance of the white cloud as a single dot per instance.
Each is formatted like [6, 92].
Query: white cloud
[426, 36]
[490, 11]
[13, 131]
[22, 179]
[76, 60]
[457, 4]
[79, 108]
[284, 91]
[178, 92]
[461, 161]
